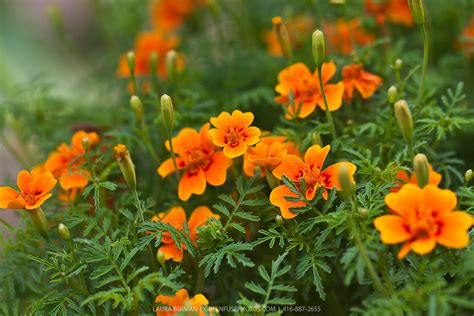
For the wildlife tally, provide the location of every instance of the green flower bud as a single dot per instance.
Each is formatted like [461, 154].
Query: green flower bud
[137, 107]
[468, 175]
[422, 170]
[316, 139]
[392, 94]
[171, 61]
[282, 35]
[154, 62]
[346, 181]
[398, 64]
[417, 12]
[126, 165]
[131, 61]
[39, 220]
[160, 256]
[363, 212]
[405, 122]
[64, 231]
[272, 181]
[279, 219]
[319, 48]
[86, 143]
[167, 112]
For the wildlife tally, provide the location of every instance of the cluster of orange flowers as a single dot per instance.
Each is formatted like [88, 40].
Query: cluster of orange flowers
[301, 93]
[166, 18]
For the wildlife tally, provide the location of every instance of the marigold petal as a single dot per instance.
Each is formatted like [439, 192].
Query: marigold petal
[315, 156]
[216, 172]
[241, 120]
[290, 166]
[404, 251]
[392, 228]
[24, 180]
[73, 180]
[251, 135]
[166, 168]
[404, 201]
[334, 93]
[443, 201]
[9, 198]
[235, 151]
[218, 137]
[453, 232]
[277, 198]
[191, 183]
[171, 251]
[328, 70]
[222, 121]
[38, 201]
[423, 246]
[176, 217]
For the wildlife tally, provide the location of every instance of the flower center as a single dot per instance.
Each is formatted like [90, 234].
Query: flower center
[30, 197]
[196, 159]
[423, 224]
[234, 137]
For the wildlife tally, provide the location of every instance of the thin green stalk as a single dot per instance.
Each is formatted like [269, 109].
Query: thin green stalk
[82, 281]
[328, 113]
[142, 219]
[425, 61]
[363, 252]
[199, 280]
[146, 139]
[173, 156]
[13, 151]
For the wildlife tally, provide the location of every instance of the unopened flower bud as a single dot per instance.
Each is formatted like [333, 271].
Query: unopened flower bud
[316, 139]
[279, 219]
[64, 231]
[272, 181]
[126, 165]
[468, 175]
[131, 62]
[417, 12]
[137, 107]
[39, 220]
[282, 35]
[160, 256]
[405, 122]
[346, 181]
[422, 169]
[338, 2]
[363, 212]
[154, 62]
[86, 143]
[319, 48]
[392, 94]
[171, 61]
[398, 64]
[167, 112]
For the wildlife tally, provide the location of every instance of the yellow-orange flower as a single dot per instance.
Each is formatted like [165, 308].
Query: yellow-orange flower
[65, 163]
[394, 11]
[311, 171]
[421, 218]
[168, 15]
[145, 44]
[198, 158]
[304, 85]
[33, 190]
[355, 77]
[181, 303]
[403, 177]
[343, 34]
[234, 133]
[176, 217]
[467, 39]
[267, 154]
[298, 29]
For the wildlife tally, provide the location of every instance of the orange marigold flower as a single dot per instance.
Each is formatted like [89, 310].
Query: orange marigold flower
[145, 44]
[402, 175]
[168, 15]
[181, 303]
[311, 171]
[304, 85]
[176, 217]
[33, 190]
[354, 76]
[343, 34]
[198, 158]
[467, 39]
[298, 29]
[421, 218]
[267, 154]
[234, 133]
[394, 11]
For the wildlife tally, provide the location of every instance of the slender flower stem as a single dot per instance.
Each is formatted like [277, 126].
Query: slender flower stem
[173, 157]
[328, 113]
[146, 139]
[426, 47]
[39, 220]
[142, 219]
